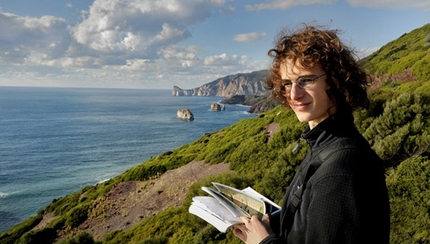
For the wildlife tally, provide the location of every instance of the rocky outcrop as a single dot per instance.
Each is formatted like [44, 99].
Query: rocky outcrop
[258, 104]
[261, 107]
[185, 114]
[217, 107]
[238, 84]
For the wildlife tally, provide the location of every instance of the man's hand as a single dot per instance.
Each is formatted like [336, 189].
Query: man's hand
[253, 230]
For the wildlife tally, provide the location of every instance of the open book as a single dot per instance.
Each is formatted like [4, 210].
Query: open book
[226, 204]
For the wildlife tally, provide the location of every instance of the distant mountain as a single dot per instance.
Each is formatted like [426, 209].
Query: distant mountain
[238, 84]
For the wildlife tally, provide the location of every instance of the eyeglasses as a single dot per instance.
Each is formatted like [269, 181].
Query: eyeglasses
[303, 82]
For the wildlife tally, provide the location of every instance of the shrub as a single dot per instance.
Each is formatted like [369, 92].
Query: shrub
[19, 230]
[81, 238]
[78, 215]
[409, 193]
[402, 129]
[46, 235]
[143, 172]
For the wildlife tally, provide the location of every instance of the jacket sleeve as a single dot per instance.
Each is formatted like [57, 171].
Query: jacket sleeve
[271, 239]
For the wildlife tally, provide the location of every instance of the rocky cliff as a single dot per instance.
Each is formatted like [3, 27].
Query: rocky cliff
[258, 104]
[238, 84]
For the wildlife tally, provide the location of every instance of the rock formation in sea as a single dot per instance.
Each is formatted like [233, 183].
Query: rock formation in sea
[217, 107]
[239, 84]
[185, 114]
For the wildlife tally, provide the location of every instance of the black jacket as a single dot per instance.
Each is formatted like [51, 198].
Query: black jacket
[345, 199]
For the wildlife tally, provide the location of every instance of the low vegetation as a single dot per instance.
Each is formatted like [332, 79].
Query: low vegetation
[397, 126]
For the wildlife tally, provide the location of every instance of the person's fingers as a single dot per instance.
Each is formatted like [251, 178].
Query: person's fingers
[239, 232]
[240, 226]
[245, 220]
[266, 219]
[254, 218]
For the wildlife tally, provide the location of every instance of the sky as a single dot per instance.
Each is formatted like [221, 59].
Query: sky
[158, 44]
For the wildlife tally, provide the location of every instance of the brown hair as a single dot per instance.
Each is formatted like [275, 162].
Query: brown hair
[310, 46]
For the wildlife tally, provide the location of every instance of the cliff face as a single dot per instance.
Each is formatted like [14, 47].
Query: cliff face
[238, 84]
[258, 104]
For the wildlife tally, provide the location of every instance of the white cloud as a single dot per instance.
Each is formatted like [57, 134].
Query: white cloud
[118, 41]
[224, 64]
[284, 4]
[111, 32]
[140, 26]
[21, 36]
[222, 59]
[391, 4]
[179, 53]
[139, 65]
[249, 37]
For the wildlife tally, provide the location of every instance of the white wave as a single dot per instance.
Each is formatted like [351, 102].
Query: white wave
[102, 181]
[3, 194]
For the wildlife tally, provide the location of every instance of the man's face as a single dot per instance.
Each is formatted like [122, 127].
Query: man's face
[310, 104]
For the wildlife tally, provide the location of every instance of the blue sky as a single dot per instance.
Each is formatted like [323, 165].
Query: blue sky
[159, 44]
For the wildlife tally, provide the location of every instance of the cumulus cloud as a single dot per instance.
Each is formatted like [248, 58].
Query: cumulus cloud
[111, 32]
[22, 37]
[179, 53]
[139, 65]
[225, 60]
[284, 4]
[140, 26]
[392, 4]
[249, 37]
[118, 39]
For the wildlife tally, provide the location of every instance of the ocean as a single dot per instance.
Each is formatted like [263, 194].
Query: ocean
[55, 141]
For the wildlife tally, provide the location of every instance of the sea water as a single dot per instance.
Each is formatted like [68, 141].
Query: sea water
[55, 141]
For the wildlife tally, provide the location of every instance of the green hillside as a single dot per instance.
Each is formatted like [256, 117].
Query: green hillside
[397, 126]
[410, 51]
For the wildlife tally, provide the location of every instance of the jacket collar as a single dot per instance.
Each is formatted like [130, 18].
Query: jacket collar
[337, 125]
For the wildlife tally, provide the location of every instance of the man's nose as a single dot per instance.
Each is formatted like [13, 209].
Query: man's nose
[296, 92]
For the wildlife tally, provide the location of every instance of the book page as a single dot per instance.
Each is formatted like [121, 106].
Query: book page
[214, 207]
[210, 210]
[226, 203]
[271, 207]
[247, 202]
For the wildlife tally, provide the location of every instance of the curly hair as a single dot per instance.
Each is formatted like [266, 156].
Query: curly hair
[311, 46]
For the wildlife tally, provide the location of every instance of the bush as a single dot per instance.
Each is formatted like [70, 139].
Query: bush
[78, 215]
[46, 235]
[19, 230]
[402, 129]
[81, 238]
[208, 235]
[409, 193]
[143, 172]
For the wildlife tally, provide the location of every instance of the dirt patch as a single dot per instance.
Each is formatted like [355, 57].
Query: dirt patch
[271, 129]
[47, 218]
[128, 203]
